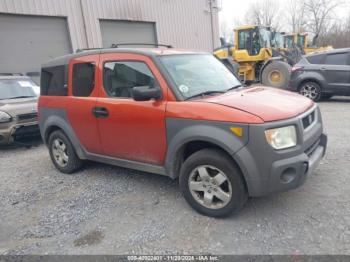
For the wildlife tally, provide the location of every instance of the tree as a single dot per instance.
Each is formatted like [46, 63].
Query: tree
[296, 15]
[265, 13]
[320, 13]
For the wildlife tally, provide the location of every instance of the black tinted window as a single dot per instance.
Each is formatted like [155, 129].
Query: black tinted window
[337, 59]
[315, 59]
[120, 77]
[53, 81]
[83, 79]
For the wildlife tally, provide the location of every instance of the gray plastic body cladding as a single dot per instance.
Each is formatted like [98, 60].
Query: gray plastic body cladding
[58, 117]
[262, 165]
[182, 131]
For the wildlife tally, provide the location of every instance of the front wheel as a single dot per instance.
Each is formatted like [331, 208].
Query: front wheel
[212, 184]
[311, 90]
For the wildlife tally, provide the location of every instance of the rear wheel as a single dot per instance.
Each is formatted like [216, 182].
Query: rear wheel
[276, 74]
[212, 184]
[311, 90]
[62, 153]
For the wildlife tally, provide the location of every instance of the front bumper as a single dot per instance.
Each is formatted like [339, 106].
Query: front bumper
[12, 132]
[267, 170]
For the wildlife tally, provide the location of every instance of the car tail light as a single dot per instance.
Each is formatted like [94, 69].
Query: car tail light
[296, 68]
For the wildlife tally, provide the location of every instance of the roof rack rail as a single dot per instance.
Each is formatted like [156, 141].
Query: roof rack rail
[125, 44]
[11, 74]
[86, 49]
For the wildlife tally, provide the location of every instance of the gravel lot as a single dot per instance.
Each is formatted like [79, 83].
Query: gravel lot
[110, 210]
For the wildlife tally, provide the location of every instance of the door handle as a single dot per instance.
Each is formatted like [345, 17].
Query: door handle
[100, 112]
[323, 69]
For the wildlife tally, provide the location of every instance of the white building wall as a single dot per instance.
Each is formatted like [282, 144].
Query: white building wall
[182, 23]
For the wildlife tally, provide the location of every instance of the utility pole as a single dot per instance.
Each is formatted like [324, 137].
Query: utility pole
[213, 7]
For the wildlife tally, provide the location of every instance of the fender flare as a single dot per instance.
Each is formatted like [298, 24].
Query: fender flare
[219, 137]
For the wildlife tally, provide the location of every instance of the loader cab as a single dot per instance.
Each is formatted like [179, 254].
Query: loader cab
[278, 40]
[289, 41]
[253, 39]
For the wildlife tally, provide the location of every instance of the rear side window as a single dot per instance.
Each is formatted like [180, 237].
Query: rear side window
[337, 59]
[53, 81]
[83, 79]
[315, 59]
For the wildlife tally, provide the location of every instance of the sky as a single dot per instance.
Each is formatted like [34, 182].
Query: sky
[235, 10]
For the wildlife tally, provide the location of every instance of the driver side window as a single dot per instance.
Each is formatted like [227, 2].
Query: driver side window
[119, 77]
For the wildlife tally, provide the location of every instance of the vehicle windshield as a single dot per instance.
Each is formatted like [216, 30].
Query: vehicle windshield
[279, 40]
[265, 37]
[301, 40]
[17, 88]
[199, 74]
[288, 41]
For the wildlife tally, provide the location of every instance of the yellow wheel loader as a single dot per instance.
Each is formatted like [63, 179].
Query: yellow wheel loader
[253, 58]
[302, 41]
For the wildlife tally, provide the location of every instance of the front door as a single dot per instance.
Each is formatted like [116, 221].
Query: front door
[129, 129]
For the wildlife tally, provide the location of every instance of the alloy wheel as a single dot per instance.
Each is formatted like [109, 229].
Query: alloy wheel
[309, 90]
[59, 151]
[210, 187]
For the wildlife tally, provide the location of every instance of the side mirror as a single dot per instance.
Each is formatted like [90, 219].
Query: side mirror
[145, 93]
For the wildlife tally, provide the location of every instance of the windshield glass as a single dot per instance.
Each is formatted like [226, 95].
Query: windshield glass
[265, 37]
[279, 40]
[288, 41]
[16, 88]
[301, 40]
[198, 74]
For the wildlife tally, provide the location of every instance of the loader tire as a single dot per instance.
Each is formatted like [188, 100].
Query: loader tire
[276, 74]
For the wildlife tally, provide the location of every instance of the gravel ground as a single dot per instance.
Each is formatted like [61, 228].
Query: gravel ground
[110, 210]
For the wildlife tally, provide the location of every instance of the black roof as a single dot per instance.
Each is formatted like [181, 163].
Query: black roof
[151, 52]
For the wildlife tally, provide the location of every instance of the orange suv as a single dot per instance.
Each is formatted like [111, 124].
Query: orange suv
[181, 114]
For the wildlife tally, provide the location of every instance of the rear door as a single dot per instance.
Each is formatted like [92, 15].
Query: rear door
[336, 70]
[129, 129]
[83, 90]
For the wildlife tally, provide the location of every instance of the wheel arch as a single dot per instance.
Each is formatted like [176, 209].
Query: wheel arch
[55, 119]
[314, 80]
[190, 147]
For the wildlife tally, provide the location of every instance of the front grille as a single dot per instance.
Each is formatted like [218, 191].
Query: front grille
[26, 131]
[30, 116]
[309, 119]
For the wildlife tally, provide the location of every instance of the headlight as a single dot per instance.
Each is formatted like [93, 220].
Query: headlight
[4, 117]
[281, 138]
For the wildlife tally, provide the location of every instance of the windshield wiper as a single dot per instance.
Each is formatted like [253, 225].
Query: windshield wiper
[20, 97]
[234, 87]
[206, 93]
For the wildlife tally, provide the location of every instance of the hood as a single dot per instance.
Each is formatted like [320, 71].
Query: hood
[270, 104]
[19, 106]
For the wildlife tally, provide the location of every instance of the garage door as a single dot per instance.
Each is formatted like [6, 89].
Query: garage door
[118, 32]
[28, 41]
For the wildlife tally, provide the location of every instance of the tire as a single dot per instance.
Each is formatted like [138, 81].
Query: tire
[214, 162]
[63, 154]
[311, 90]
[276, 74]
